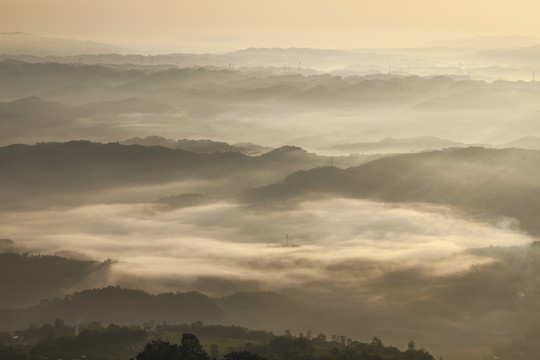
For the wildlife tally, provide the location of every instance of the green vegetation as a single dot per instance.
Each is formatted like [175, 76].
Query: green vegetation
[62, 342]
[93, 341]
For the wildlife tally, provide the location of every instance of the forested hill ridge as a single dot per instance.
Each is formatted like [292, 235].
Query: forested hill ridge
[83, 164]
[132, 306]
[474, 180]
[77, 169]
[78, 164]
[27, 278]
[117, 305]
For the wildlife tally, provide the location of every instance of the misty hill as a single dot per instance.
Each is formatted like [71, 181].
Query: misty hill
[202, 145]
[526, 142]
[480, 96]
[79, 169]
[474, 180]
[35, 105]
[398, 145]
[18, 43]
[294, 58]
[114, 304]
[83, 164]
[26, 279]
[289, 153]
[200, 103]
[255, 60]
[117, 305]
[131, 105]
[515, 55]
[441, 57]
[176, 85]
[484, 42]
[129, 306]
[7, 245]
[20, 79]
[53, 120]
[45, 117]
[77, 164]
[96, 83]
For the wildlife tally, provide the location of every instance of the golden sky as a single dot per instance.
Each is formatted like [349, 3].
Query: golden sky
[216, 24]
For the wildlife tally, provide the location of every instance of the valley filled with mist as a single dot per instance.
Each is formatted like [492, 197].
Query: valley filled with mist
[377, 192]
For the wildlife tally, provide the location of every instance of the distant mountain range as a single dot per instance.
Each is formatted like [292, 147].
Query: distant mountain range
[387, 145]
[19, 43]
[202, 145]
[513, 51]
[526, 142]
[526, 54]
[485, 42]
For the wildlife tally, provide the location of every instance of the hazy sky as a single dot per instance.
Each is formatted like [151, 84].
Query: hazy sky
[219, 24]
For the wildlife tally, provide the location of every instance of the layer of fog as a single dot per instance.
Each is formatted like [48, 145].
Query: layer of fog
[314, 131]
[230, 241]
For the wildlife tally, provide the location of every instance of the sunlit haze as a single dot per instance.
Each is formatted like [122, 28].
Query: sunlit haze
[215, 25]
[353, 180]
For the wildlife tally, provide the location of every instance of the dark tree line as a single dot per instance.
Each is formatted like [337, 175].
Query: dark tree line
[285, 348]
[60, 341]
[94, 341]
[189, 349]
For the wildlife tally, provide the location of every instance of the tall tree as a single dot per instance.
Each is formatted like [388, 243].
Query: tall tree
[191, 348]
[157, 349]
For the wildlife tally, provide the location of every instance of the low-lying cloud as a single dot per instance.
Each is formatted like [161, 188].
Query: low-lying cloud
[235, 242]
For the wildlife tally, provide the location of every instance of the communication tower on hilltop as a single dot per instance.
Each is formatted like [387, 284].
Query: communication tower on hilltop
[288, 242]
